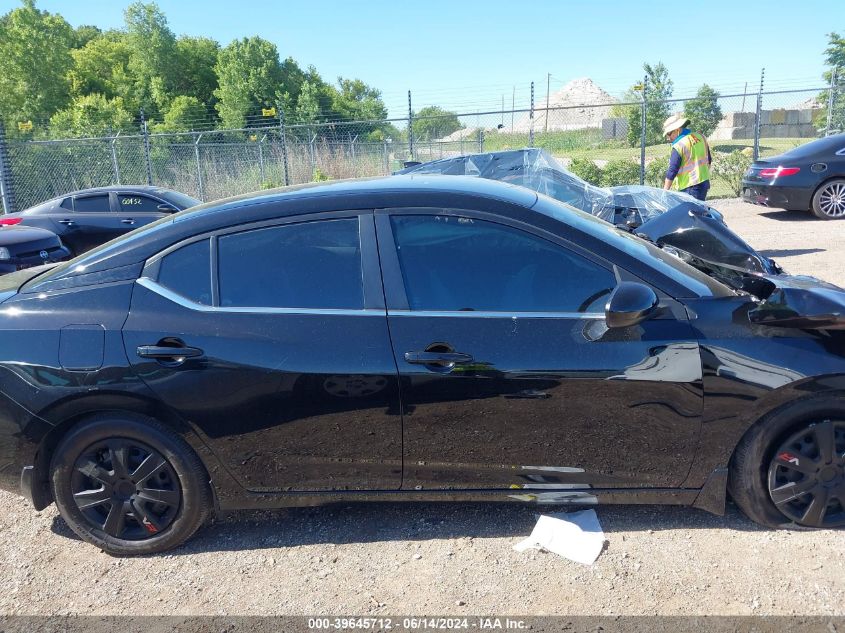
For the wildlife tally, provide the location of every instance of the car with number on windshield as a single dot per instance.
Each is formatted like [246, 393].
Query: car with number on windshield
[411, 338]
[90, 217]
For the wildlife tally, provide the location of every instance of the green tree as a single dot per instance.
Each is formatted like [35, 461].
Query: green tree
[34, 61]
[703, 111]
[434, 122]
[91, 115]
[153, 56]
[195, 76]
[102, 67]
[85, 33]
[658, 88]
[184, 114]
[249, 78]
[835, 60]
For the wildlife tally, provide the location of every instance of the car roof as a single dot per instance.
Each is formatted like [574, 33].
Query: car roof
[378, 191]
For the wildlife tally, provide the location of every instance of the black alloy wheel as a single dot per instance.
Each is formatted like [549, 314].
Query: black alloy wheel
[806, 475]
[129, 484]
[126, 488]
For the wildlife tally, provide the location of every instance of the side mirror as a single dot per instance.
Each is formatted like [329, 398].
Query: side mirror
[629, 304]
[166, 208]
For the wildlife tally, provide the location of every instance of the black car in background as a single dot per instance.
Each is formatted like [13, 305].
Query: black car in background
[810, 177]
[418, 338]
[25, 246]
[85, 219]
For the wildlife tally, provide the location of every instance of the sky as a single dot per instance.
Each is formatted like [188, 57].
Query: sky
[471, 55]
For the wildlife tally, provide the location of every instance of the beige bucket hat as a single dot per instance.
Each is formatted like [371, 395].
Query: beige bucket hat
[674, 122]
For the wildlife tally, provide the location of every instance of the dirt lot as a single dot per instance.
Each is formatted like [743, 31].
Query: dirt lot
[451, 559]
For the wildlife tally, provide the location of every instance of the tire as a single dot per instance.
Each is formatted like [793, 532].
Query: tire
[829, 200]
[114, 468]
[780, 475]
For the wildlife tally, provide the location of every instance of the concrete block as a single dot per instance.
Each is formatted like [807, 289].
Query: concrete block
[737, 119]
[792, 117]
[765, 116]
[777, 117]
[805, 116]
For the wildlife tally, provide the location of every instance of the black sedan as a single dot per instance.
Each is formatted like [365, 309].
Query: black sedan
[410, 338]
[85, 219]
[810, 177]
[24, 246]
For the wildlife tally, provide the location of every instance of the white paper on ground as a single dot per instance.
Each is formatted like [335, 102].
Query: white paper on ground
[574, 535]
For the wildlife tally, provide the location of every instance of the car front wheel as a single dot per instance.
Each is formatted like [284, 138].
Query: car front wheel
[129, 485]
[789, 469]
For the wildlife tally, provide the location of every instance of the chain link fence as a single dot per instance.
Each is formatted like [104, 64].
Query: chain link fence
[213, 164]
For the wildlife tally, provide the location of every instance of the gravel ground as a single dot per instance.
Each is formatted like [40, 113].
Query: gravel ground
[414, 559]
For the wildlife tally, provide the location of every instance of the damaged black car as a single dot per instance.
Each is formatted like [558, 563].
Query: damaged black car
[412, 338]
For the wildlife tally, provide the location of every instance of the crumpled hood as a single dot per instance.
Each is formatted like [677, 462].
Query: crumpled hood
[798, 301]
[664, 217]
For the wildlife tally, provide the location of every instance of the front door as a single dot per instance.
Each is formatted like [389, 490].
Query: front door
[282, 359]
[510, 377]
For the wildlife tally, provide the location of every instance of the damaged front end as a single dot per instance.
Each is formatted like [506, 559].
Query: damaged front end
[799, 302]
[666, 218]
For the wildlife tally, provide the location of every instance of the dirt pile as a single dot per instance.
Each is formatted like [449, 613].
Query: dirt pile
[579, 104]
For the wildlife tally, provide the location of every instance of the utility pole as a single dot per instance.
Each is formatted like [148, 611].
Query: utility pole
[410, 128]
[548, 86]
[830, 101]
[531, 119]
[643, 132]
[513, 106]
[758, 115]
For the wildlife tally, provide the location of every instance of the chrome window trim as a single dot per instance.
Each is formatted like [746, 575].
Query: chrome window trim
[841, 152]
[488, 314]
[178, 299]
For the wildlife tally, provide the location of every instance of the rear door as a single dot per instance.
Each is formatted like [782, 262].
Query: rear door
[92, 222]
[509, 373]
[272, 342]
[137, 209]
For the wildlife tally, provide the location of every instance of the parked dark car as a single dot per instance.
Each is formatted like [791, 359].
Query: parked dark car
[664, 217]
[810, 177]
[410, 338]
[85, 219]
[24, 246]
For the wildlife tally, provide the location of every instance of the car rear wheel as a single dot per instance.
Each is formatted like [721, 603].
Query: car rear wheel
[789, 469]
[829, 200]
[129, 485]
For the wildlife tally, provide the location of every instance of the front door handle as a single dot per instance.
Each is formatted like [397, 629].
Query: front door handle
[127, 221]
[444, 359]
[168, 353]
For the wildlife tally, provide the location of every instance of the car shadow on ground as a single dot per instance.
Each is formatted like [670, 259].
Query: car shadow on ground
[343, 524]
[790, 252]
[790, 216]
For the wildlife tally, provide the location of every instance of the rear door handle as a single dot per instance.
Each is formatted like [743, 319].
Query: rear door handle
[67, 222]
[437, 358]
[166, 352]
[127, 221]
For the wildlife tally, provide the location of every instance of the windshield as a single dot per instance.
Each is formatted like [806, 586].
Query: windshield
[181, 200]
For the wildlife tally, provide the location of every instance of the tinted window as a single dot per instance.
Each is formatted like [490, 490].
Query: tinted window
[92, 204]
[452, 263]
[310, 265]
[187, 271]
[137, 204]
[67, 203]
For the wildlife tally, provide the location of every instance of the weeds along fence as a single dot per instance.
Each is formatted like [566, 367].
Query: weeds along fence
[213, 164]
